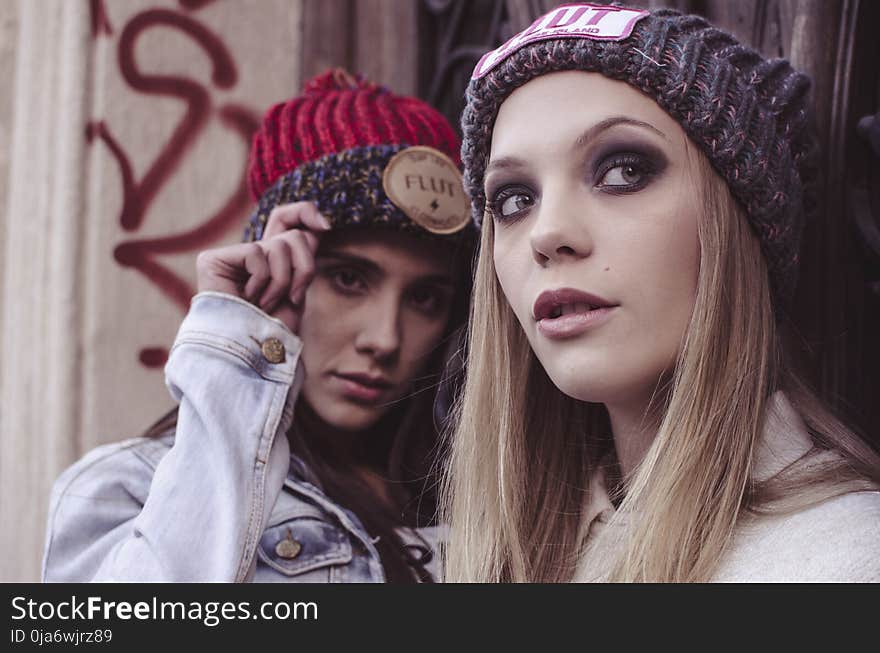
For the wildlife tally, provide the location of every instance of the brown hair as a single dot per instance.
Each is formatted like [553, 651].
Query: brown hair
[404, 445]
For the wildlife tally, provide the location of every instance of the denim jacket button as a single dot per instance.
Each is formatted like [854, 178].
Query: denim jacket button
[273, 350]
[288, 548]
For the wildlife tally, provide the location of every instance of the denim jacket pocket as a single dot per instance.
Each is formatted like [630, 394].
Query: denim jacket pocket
[304, 543]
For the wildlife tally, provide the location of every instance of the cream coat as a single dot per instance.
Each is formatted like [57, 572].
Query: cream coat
[837, 540]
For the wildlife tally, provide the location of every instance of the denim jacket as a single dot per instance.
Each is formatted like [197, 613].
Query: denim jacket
[221, 499]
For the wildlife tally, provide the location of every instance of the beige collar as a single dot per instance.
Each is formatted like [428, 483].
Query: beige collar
[783, 441]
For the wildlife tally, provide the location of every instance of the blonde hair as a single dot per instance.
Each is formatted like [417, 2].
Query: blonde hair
[522, 452]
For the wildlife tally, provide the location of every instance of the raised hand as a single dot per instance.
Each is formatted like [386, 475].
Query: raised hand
[272, 273]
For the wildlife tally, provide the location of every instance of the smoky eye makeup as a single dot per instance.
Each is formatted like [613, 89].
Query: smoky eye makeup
[614, 164]
[509, 201]
[625, 166]
[509, 195]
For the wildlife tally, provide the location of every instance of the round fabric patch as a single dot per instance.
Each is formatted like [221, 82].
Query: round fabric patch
[426, 185]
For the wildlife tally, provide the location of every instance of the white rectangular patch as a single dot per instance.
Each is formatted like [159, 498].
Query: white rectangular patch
[599, 22]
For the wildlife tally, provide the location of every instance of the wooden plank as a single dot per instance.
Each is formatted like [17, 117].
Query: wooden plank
[327, 36]
[386, 43]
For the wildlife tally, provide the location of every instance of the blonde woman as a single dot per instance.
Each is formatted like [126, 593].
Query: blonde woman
[628, 413]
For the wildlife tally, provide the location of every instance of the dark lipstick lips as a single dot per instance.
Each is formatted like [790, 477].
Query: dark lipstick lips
[550, 300]
[367, 380]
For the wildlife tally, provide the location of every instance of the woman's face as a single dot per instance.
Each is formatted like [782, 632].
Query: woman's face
[595, 207]
[375, 311]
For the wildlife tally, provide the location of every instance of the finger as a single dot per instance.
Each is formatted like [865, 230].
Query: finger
[223, 268]
[303, 261]
[258, 267]
[280, 272]
[311, 240]
[299, 215]
[288, 313]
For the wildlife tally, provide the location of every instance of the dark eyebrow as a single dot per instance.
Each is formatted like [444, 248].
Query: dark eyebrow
[613, 121]
[509, 162]
[504, 163]
[358, 261]
[371, 267]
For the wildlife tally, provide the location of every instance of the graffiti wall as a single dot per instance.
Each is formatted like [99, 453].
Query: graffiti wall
[180, 91]
[131, 126]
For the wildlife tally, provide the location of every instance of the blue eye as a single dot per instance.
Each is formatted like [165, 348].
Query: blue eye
[510, 201]
[625, 173]
[622, 176]
[515, 204]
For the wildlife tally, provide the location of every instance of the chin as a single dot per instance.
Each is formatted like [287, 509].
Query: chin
[351, 417]
[568, 372]
[606, 381]
[582, 388]
[590, 378]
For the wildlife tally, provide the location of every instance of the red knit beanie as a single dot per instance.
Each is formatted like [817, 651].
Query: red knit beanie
[363, 155]
[337, 112]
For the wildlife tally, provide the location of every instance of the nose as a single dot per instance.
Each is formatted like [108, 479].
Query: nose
[560, 230]
[380, 334]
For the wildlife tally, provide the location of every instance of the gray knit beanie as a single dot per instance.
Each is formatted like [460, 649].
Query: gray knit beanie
[746, 113]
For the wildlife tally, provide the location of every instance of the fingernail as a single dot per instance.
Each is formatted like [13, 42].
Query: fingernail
[324, 221]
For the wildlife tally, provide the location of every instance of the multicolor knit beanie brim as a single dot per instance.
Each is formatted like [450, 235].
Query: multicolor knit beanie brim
[332, 145]
[346, 187]
[749, 115]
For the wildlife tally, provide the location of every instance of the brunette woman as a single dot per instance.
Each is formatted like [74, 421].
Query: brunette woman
[306, 370]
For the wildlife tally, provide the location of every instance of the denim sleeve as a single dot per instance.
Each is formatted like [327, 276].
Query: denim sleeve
[236, 374]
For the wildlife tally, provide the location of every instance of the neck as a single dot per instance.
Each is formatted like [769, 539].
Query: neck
[349, 452]
[363, 451]
[634, 431]
[341, 444]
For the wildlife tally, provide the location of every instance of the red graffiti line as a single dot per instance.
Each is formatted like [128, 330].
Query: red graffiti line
[137, 253]
[138, 196]
[100, 22]
[194, 4]
[153, 356]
